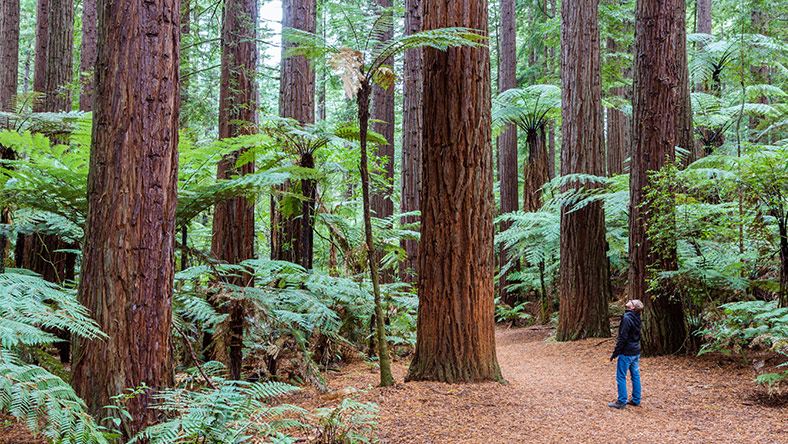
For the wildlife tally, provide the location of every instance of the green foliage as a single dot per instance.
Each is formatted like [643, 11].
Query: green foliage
[529, 108]
[233, 412]
[351, 422]
[28, 304]
[515, 315]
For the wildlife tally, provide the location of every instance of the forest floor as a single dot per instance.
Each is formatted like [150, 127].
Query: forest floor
[558, 393]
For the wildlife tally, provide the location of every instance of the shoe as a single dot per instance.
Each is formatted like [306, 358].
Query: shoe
[617, 405]
[629, 402]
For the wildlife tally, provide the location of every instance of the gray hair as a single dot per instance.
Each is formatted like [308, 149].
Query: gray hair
[635, 304]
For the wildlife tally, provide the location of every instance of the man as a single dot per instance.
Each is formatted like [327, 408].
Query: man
[628, 353]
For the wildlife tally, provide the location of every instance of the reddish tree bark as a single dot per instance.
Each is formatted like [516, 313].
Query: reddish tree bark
[703, 11]
[584, 288]
[686, 136]
[9, 52]
[456, 325]
[87, 62]
[656, 109]
[233, 220]
[507, 141]
[291, 234]
[383, 113]
[54, 55]
[535, 169]
[9, 63]
[128, 255]
[618, 125]
[411, 138]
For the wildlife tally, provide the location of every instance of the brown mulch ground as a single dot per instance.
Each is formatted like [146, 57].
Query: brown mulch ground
[558, 393]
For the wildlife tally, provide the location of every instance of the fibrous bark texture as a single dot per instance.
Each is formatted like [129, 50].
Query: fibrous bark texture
[87, 62]
[54, 55]
[297, 101]
[9, 63]
[686, 136]
[9, 52]
[507, 141]
[411, 139]
[656, 105]
[583, 284]
[233, 220]
[535, 170]
[128, 254]
[456, 326]
[618, 124]
[704, 16]
[383, 114]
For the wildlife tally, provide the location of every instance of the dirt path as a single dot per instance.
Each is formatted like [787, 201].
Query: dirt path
[558, 393]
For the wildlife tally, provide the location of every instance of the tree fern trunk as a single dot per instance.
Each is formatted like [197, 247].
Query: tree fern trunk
[386, 378]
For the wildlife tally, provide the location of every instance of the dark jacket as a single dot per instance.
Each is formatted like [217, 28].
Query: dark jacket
[628, 342]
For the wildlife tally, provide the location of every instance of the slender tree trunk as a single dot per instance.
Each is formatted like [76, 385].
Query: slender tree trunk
[411, 139]
[535, 170]
[618, 125]
[128, 256]
[584, 289]
[233, 220]
[686, 136]
[9, 63]
[656, 108]
[87, 61]
[386, 377]
[551, 149]
[321, 92]
[456, 325]
[507, 141]
[186, 10]
[296, 100]
[383, 114]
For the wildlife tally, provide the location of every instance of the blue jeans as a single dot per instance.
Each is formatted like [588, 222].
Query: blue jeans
[631, 363]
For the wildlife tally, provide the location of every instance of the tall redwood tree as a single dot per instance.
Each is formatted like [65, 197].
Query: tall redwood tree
[584, 277]
[9, 63]
[87, 62]
[292, 234]
[411, 138]
[656, 107]
[233, 220]
[456, 325]
[507, 141]
[128, 255]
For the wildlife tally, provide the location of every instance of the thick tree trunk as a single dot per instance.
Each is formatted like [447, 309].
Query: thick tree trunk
[411, 139]
[233, 220]
[618, 125]
[507, 141]
[128, 255]
[456, 325]
[297, 101]
[87, 62]
[656, 108]
[584, 288]
[54, 55]
[703, 12]
[9, 53]
[383, 113]
[9, 64]
[535, 170]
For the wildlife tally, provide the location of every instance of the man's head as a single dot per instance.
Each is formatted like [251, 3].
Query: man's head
[635, 305]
